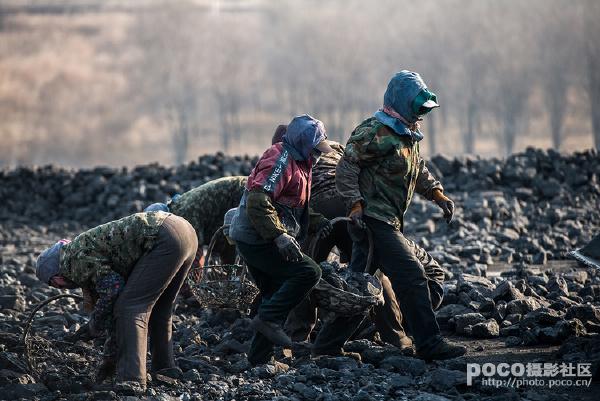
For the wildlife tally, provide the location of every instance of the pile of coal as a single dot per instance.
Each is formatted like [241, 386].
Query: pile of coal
[93, 196]
[525, 307]
[532, 207]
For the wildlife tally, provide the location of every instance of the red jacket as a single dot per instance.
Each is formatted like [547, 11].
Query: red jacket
[287, 180]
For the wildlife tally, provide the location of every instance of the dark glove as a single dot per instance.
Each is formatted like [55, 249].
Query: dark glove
[106, 369]
[445, 204]
[356, 214]
[325, 228]
[288, 248]
[86, 332]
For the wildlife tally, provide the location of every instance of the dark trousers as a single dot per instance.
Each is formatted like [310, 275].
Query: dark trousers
[417, 292]
[282, 284]
[146, 303]
[332, 207]
[387, 317]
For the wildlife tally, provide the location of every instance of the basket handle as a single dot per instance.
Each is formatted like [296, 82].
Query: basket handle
[313, 243]
[212, 243]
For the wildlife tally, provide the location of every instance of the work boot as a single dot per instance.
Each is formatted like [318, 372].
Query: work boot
[106, 369]
[273, 331]
[173, 373]
[317, 353]
[442, 349]
[405, 345]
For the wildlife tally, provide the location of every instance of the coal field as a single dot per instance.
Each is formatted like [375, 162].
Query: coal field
[511, 293]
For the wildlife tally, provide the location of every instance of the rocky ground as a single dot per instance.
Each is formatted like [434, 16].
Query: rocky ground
[511, 294]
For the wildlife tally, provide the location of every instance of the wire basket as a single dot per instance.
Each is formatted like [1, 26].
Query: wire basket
[54, 360]
[340, 301]
[222, 286]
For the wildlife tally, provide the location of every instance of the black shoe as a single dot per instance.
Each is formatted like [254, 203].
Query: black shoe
[442, 349]
[173, 373]
[272, 331]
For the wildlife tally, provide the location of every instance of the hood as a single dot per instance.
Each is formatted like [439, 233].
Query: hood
[400, 96]
[303, 134]
[48, 263]
[402, 90]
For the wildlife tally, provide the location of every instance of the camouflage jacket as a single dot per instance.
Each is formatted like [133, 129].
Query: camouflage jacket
[204, 207]
[101, 259]
[383, 170]
[323, 174]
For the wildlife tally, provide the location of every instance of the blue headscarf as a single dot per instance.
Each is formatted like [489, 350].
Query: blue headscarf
[402, 90]
[157, 207]
[48, 263]
[303, 134]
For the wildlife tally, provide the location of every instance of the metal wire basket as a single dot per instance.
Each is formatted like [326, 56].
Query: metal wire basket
[222, 286]
[54, 360]
[340, 301]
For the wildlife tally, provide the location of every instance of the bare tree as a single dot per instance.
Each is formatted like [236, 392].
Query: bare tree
[556, 54]
[167, 75]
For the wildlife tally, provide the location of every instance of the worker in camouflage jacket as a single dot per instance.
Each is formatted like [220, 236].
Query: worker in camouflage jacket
[273, 216]
[325, 199]
[380, 171]
[204, 207]
[132, 269]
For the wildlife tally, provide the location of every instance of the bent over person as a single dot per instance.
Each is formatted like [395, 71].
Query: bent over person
[133, 268]
[204, 207]
[272, 217]
[380, 171]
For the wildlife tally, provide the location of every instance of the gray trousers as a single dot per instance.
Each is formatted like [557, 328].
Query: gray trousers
[146, 303]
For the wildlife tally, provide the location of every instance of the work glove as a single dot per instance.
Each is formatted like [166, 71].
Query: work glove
[356, 214]
[325, 228]
[86, 332]
[106, 369]
[445, 204]
[288, 248]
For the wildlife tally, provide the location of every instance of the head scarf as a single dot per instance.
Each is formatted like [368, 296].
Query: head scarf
[303, 134]
[399, 111]
[157, 207]
[48, 263]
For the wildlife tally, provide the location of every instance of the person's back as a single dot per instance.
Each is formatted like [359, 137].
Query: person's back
[205, 206]
[116, 245]
[323, 176]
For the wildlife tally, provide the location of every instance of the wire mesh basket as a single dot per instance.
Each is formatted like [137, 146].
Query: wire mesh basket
[222, 286]
[342, 301]
[52, 358]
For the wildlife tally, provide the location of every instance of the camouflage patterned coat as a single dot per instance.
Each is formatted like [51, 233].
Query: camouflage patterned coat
[205, 206]
[383, 170]
[100, 260]
[323, 174]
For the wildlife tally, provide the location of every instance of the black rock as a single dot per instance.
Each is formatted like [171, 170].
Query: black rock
[405, 365]
[487, 329]
[466, 320]
[14, 302]
[25, 391]
[445, 379]
[585, 313]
